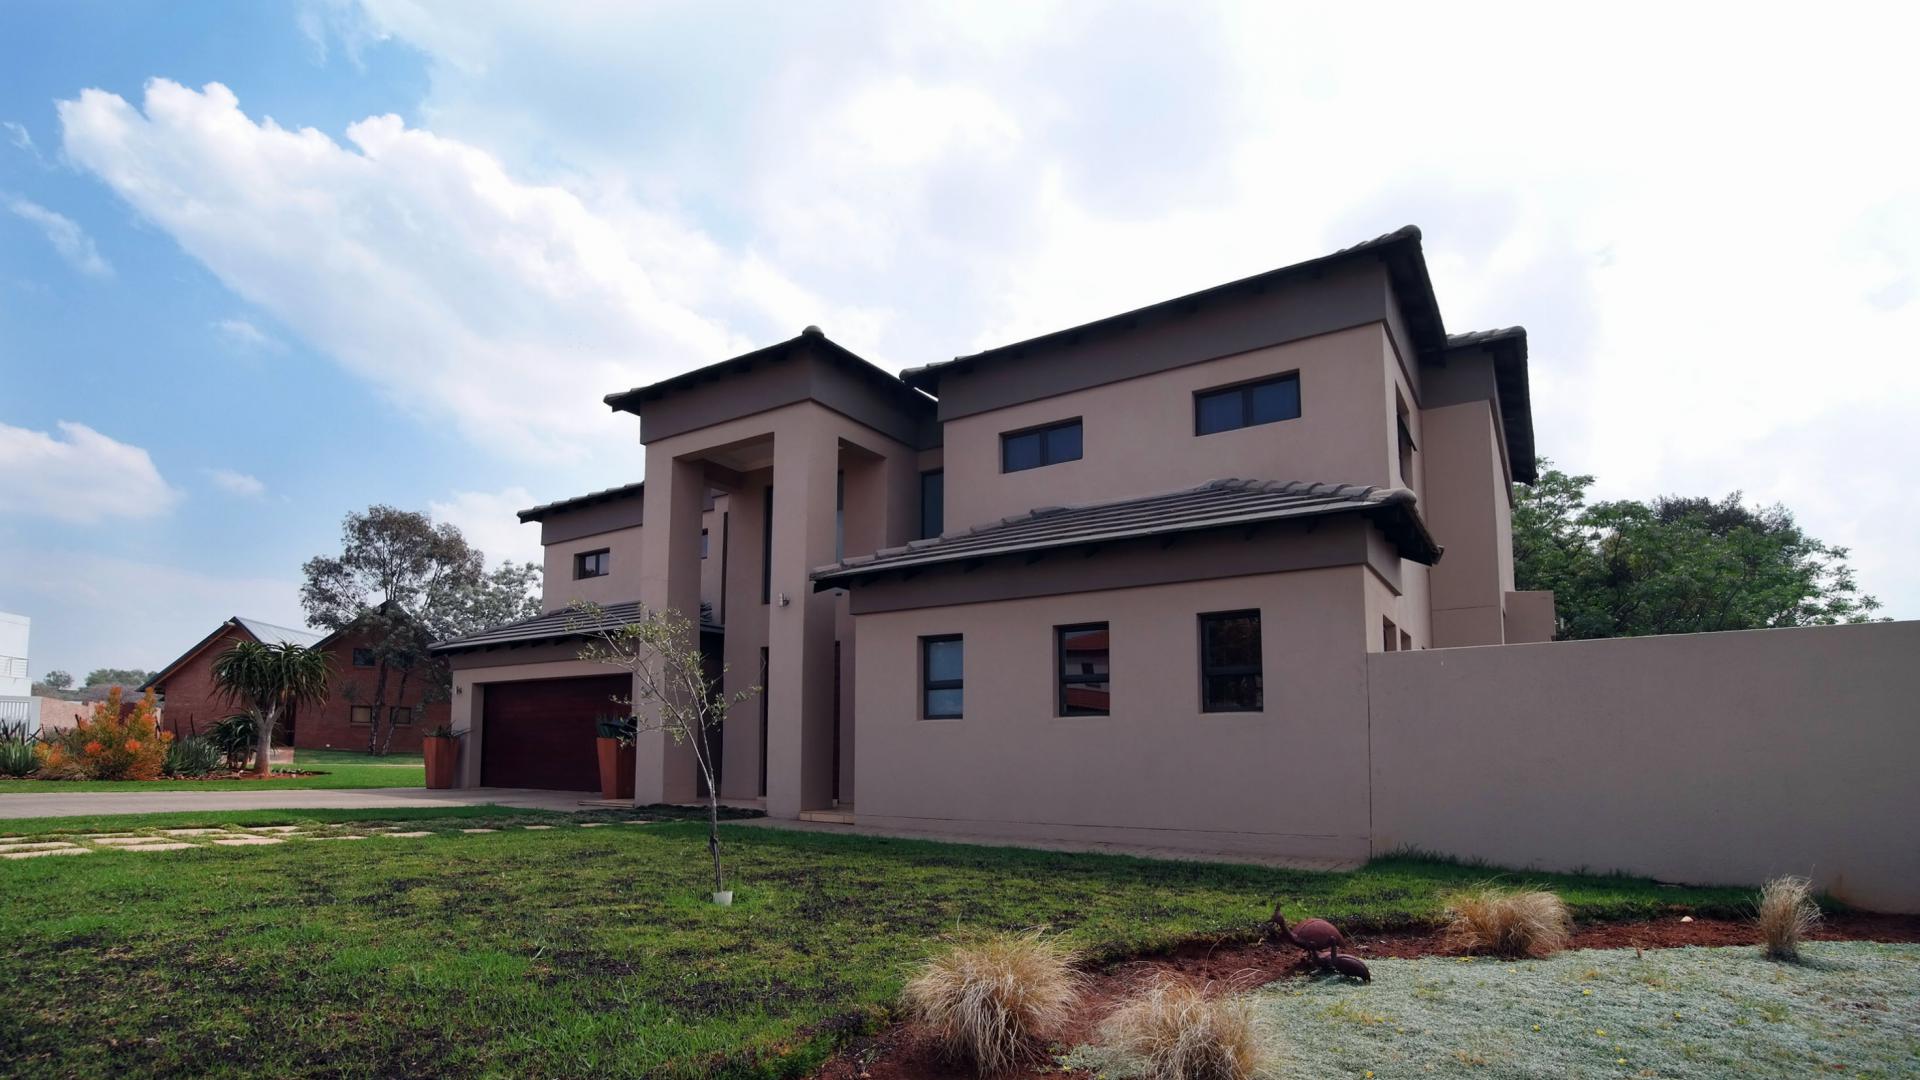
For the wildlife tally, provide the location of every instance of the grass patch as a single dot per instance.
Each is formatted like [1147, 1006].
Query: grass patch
[335, 776]
[102, 823]
[1851, 1010]
[303, 755]
[576, 952]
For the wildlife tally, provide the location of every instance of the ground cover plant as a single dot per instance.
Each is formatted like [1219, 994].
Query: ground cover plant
[573, 952]
[1854, 1010]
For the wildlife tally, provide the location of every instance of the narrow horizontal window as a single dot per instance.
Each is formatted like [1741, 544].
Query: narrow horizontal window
[592, 564]
[942, 677]
[1035, 447]
[1230, 675]
[1227, 408]
[1081, 656]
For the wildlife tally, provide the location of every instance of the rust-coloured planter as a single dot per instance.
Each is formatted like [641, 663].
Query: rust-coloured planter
[443, 759]
[616, 769]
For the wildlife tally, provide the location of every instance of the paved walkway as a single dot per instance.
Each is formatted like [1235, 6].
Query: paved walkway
[62, 804]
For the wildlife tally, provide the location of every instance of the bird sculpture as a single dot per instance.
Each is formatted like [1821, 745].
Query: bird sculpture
[1351, 966]
[1316, 936]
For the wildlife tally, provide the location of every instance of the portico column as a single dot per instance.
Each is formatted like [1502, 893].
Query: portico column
[669, 580]
[806, 455]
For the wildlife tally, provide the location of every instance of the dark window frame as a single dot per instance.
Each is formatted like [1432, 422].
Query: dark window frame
[934, 524]
[1041, 431]
[1244, 391]
[1062, 679]
[580, 563]
[928, 684]
[1209, 670]
[368, 655]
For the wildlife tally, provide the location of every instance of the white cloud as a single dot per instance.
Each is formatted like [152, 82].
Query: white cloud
[486, 519]
[237, 483]
[20, 137]
[78, 476]
[244, 336]
[66, 236]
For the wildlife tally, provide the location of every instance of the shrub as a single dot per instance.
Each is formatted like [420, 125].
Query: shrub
[990, 1001]
[1786, 914]
[1505, 922]
[1179, 1030]
[196, 756]
[236, 736]
[117, 743]
[17, 754]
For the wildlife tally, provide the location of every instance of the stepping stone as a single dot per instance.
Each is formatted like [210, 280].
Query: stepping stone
[109, 836]
[536, 828]
[171, 846]
[49, 851]
[593, 824]
[410, 835]
[343, 836]
[192, 832]
[479, 830]
[121, 841]
[246, 841]
[272, 828]
[636, 823]
[43, 845]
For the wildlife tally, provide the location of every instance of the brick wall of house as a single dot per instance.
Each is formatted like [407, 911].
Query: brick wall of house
[331, 725]
[191, 705]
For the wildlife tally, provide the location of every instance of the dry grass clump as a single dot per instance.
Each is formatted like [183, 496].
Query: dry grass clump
[991, 1001]
[1179, 1030]
[1506, 922]
[1786, 914]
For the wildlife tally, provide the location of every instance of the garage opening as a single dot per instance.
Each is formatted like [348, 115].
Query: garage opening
[540, 733]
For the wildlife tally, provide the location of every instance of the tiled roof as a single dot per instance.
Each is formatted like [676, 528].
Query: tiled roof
[535, 513]
[552, 626]
[1217, 504]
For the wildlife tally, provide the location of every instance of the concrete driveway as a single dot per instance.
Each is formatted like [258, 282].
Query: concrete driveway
[79, 803]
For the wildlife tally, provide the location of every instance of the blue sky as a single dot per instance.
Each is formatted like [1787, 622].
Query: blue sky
[264, 264]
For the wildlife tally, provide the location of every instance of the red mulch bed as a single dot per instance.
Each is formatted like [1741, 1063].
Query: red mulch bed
[901, 1052]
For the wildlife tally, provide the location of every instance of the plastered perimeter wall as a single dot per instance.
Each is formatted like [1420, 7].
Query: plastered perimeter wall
[1704, 758]
[1290, 779]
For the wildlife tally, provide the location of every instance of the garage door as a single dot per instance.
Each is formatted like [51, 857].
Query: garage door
[539, 734]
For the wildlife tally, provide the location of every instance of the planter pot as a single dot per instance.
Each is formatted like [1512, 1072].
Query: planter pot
[616, 769]
[724, 899]
[443, 760]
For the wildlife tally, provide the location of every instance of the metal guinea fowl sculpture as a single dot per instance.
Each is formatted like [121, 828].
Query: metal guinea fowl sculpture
[1316, 936]
[1351, 966]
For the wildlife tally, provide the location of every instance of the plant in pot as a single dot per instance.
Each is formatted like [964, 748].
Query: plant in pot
[615, 744]
[441, 747]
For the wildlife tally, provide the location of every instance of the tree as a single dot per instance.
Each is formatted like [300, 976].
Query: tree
[673, 692]
[111, 676]
[407, 582]
[60, 680]
[1675, 565]
[272, 679]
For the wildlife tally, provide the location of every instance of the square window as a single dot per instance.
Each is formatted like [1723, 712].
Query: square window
[1083, 669]
[403, 716]
[942, 677]
[363, 658]
[592, 563]
[1217, 412]
[1230, 665]
[360, 715]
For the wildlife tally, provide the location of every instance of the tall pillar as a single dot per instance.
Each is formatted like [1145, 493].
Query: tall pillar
[806, 454]
[669, 580]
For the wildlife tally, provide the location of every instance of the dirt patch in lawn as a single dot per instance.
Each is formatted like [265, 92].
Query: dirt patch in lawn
[903, 1052]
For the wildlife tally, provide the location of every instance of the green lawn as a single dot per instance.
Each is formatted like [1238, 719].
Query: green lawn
[583, 952]
[1852, 1009]
[333, 769]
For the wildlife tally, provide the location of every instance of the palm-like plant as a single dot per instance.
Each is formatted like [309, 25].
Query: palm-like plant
[273, 679]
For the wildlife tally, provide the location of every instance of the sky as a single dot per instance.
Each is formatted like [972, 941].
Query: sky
[265, 264]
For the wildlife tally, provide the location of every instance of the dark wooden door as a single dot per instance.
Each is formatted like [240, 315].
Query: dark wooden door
[540, 733]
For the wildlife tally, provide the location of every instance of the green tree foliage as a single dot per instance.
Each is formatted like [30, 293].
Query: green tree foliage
[406, 582]
[1674, 565]
[113, 676]
[274, 680]
[60, 680]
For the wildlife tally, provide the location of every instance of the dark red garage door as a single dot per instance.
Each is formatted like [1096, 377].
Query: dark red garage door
[539, 734]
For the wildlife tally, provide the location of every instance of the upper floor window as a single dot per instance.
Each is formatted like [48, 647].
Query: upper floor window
[942, 677]
[1230, 676]
[1081, 653]
[1246, 404]
[592, 564]
[933, 503]
[363, 658]
[1034, 447]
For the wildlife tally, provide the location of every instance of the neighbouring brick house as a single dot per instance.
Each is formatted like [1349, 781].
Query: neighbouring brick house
[191, 704]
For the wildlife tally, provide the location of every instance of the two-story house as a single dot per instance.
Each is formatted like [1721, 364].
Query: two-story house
[1115, 582]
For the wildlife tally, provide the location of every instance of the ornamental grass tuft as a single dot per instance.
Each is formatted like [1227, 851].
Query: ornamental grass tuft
[1507, 922]
[993, 1001]
[1786, 914]
[1177, 1029]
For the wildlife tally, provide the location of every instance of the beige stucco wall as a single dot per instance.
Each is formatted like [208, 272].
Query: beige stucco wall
[1466, 508]
[1290, 779]
[1138, 434]
[1704, 758]
[620, 585]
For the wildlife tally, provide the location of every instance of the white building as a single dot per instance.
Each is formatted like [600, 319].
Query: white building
[16, 687]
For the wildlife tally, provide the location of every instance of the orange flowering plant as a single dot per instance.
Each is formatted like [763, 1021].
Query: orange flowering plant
[120, 742]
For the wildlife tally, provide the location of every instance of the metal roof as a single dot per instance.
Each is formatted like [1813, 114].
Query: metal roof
[552, 626]
[538, 513]
[270, 633]
[1216, 504]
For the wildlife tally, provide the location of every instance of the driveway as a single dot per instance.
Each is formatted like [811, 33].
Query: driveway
[78, 803]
